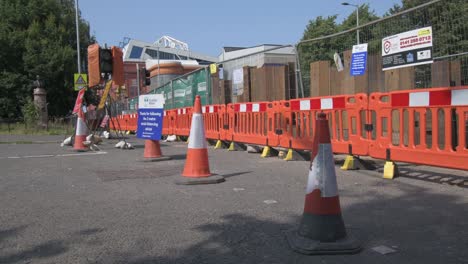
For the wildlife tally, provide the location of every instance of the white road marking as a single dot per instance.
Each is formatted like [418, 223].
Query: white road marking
[270, 201]
[82, 154]
[58, 155]
[38, 156]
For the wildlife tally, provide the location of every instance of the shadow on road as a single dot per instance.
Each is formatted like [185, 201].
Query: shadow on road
[422, 226]
[47, 249]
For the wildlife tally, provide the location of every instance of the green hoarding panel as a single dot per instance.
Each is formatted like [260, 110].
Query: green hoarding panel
[201, 86]
[181, 92]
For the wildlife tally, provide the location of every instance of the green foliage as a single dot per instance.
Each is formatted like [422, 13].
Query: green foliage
[54, 128]
[319, 27]
[13, 87]
[30, 113]
[38, 37]
[325, 49]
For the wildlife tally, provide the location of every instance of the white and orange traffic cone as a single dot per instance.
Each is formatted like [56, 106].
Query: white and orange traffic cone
[81, 132]
[153, 151]
[197, 168]
[322, 230]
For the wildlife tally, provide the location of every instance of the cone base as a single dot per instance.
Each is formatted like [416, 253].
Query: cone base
[348, 245]
[152, 149]
[200, 180]
[196, 164]
[162, 158]
[78, 144]
[80, 150]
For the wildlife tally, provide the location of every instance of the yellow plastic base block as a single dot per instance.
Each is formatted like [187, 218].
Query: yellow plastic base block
[266, 152]
[188, 139]
[390, 170]
[219, 144]
[348, 163]
[289, 155]
[232, 147]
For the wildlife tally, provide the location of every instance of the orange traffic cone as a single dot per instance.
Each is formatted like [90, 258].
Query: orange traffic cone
[197, 168]
[153, 151]
[322, 229]
[81, 132]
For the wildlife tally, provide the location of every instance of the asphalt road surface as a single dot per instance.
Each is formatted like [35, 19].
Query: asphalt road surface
[57, 206]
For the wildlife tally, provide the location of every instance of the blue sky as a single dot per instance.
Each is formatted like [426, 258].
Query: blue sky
[208, 25]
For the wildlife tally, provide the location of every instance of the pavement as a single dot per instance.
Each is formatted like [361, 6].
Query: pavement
[58, 206]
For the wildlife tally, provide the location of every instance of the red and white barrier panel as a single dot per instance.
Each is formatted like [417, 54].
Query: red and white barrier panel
[210, 109]
[250, 107]
[318, 104]
[430, 98]
[183, 111]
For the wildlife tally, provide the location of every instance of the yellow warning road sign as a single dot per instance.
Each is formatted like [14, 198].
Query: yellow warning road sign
[80, 81]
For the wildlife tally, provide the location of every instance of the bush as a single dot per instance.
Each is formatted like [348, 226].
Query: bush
[30, 114]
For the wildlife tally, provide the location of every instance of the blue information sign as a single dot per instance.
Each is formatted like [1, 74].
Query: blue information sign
[358, 60]
[150, 116]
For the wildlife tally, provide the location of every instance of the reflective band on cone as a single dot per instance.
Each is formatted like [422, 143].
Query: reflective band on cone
[197, 133]
[322, 230]
[81, 132]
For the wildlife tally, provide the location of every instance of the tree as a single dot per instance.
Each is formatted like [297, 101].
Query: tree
[324, 49]
[38, 37]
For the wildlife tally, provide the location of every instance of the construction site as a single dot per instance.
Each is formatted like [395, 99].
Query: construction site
[350, 147]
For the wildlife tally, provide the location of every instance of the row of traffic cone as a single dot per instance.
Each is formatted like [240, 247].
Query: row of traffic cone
[322, 229]
[197, 168]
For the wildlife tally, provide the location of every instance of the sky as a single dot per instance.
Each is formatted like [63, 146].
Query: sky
[207, 25]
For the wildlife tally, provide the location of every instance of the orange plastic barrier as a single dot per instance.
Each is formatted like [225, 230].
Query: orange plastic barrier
[346, 114]
[425, 126]
[223, 123]
[248, 122]
[127, 122]
[132, 122]
[121, 123]
[183, 121]
[211, 119]
[169, 122]
[118, 120]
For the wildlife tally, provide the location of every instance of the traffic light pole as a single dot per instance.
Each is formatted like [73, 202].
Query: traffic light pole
[138, 81]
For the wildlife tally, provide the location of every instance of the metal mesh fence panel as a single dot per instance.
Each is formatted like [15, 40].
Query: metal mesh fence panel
[449, 52]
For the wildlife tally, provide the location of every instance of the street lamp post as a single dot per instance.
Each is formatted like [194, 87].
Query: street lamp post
[357, 18]
[77, 36]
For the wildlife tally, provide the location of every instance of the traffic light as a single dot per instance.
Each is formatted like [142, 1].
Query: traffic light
[147, 77]
[105, 60]
[94, 74]
[117, 66]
